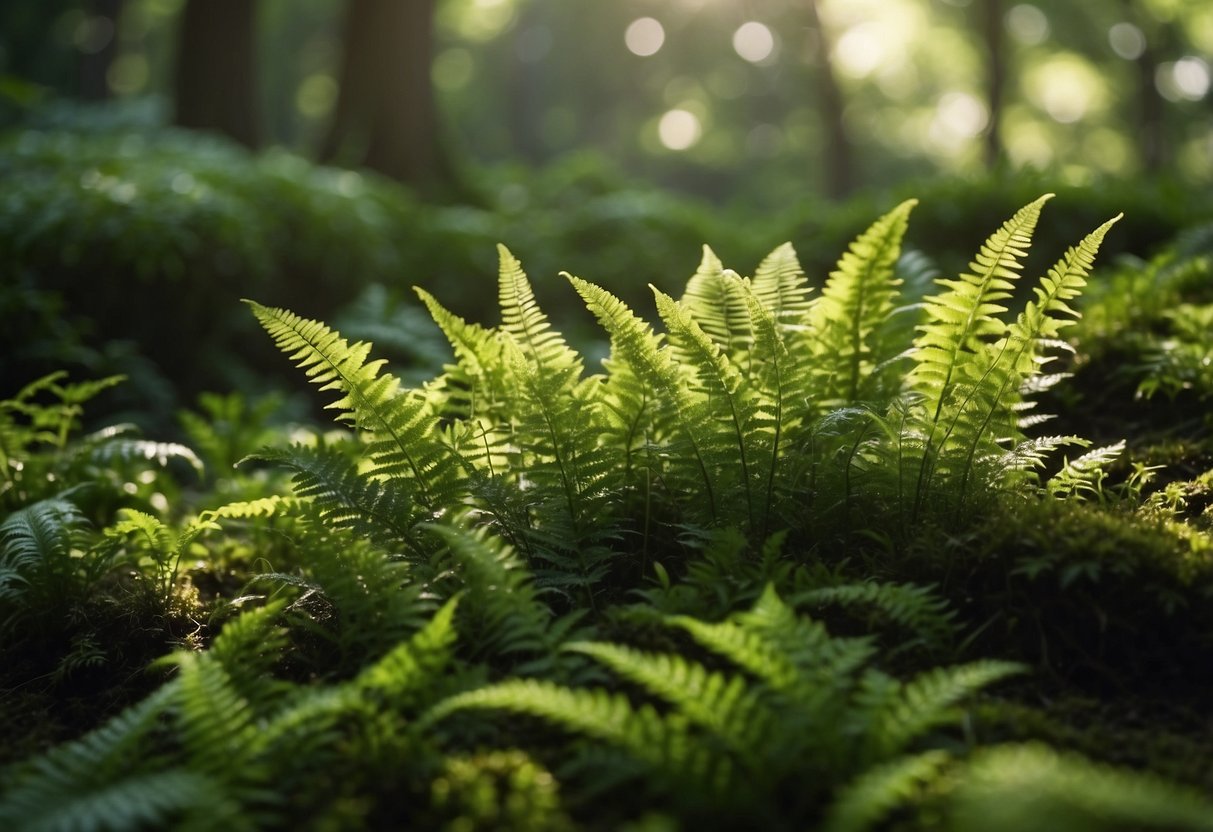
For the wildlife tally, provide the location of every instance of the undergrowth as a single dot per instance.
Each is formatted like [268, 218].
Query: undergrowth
[760, 570]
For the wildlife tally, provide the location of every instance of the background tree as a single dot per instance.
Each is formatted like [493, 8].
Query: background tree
[386, 117]
[215, 84]
[839, 178]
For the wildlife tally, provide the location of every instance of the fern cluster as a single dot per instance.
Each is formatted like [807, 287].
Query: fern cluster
[529, 594]
[757, 407]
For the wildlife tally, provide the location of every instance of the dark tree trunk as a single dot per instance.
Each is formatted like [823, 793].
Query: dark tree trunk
[1150, 127]
[837, 164]
[996, 80]
[215, 83]
[386, 117]
[95, 63]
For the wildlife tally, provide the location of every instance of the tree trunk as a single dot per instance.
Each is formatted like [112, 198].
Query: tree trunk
[215, 83]
[837, 164]
[97, 59]
[386, 117]
[996, 80]
[1150, 128]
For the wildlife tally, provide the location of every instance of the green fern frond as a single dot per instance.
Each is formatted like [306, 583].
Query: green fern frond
[915, 608]
[500, 601]
[781, 287]
[343, 497]
[525, 322]
[151, 800]
[928, 700]
[857, 299]
[717, 306]
[960, 318]
[1016, 787]
[878, 791]
[250, 509]
[41, 536]
[1044, 317]
[36, 791]
[409, 672]
[1084, 474]
[725, 705]
[659, 742]
[634, 344]
[120, 450]
[726, 412]
[402, 427]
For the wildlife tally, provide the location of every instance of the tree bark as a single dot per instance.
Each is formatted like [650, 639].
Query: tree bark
[386, 116]
[838, 165]
[97, 60]
[1150, 105]
[996, 80]
[216, 82]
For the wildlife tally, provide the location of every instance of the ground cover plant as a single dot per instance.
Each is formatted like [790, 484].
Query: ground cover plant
[782, 563]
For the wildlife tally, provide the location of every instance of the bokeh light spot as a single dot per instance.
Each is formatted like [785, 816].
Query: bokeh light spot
[453, 69]
[754, 42]
[1127, 41]
[860, 50]
[1027, 24]
[679, 129]
[128, 74]
[644, 36]
[316, 95]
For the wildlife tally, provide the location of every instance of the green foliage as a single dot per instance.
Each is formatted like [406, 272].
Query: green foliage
[803, 719]
[527, 595]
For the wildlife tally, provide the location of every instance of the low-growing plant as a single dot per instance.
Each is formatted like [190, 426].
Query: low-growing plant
[619, 562]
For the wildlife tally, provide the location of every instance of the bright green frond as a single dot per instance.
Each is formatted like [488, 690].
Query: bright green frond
[725, 705]
[411, 669]
[717, 306]
[1011, 788]
[781, 287]
[857, 299]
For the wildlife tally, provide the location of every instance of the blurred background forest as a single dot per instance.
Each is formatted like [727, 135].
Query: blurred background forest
[162, 158]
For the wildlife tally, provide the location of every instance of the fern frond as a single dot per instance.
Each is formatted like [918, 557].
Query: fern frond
[717, 306]
[915, 608]
[1016, 787]
[634, 344]
[40, 537]
[723, 383]
[878, 791]
[781, 287]
[119, 450]
[409, 672]
[961, 317]
[928, 699]
[343, 497]
[149, 800]
[525, 322]
[725, 705]
[1044, 317]
[857, 299]
[403, 438]
[250, 509]
[501, 606]
[1084, 474]
[659, 742]
[37, 789]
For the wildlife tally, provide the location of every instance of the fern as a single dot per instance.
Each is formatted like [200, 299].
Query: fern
[870, 797]
[343, 497]
[915, 608]
[502, 612]
[858, 298]
[403, 443]
[1034, 787]
[804, 707]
